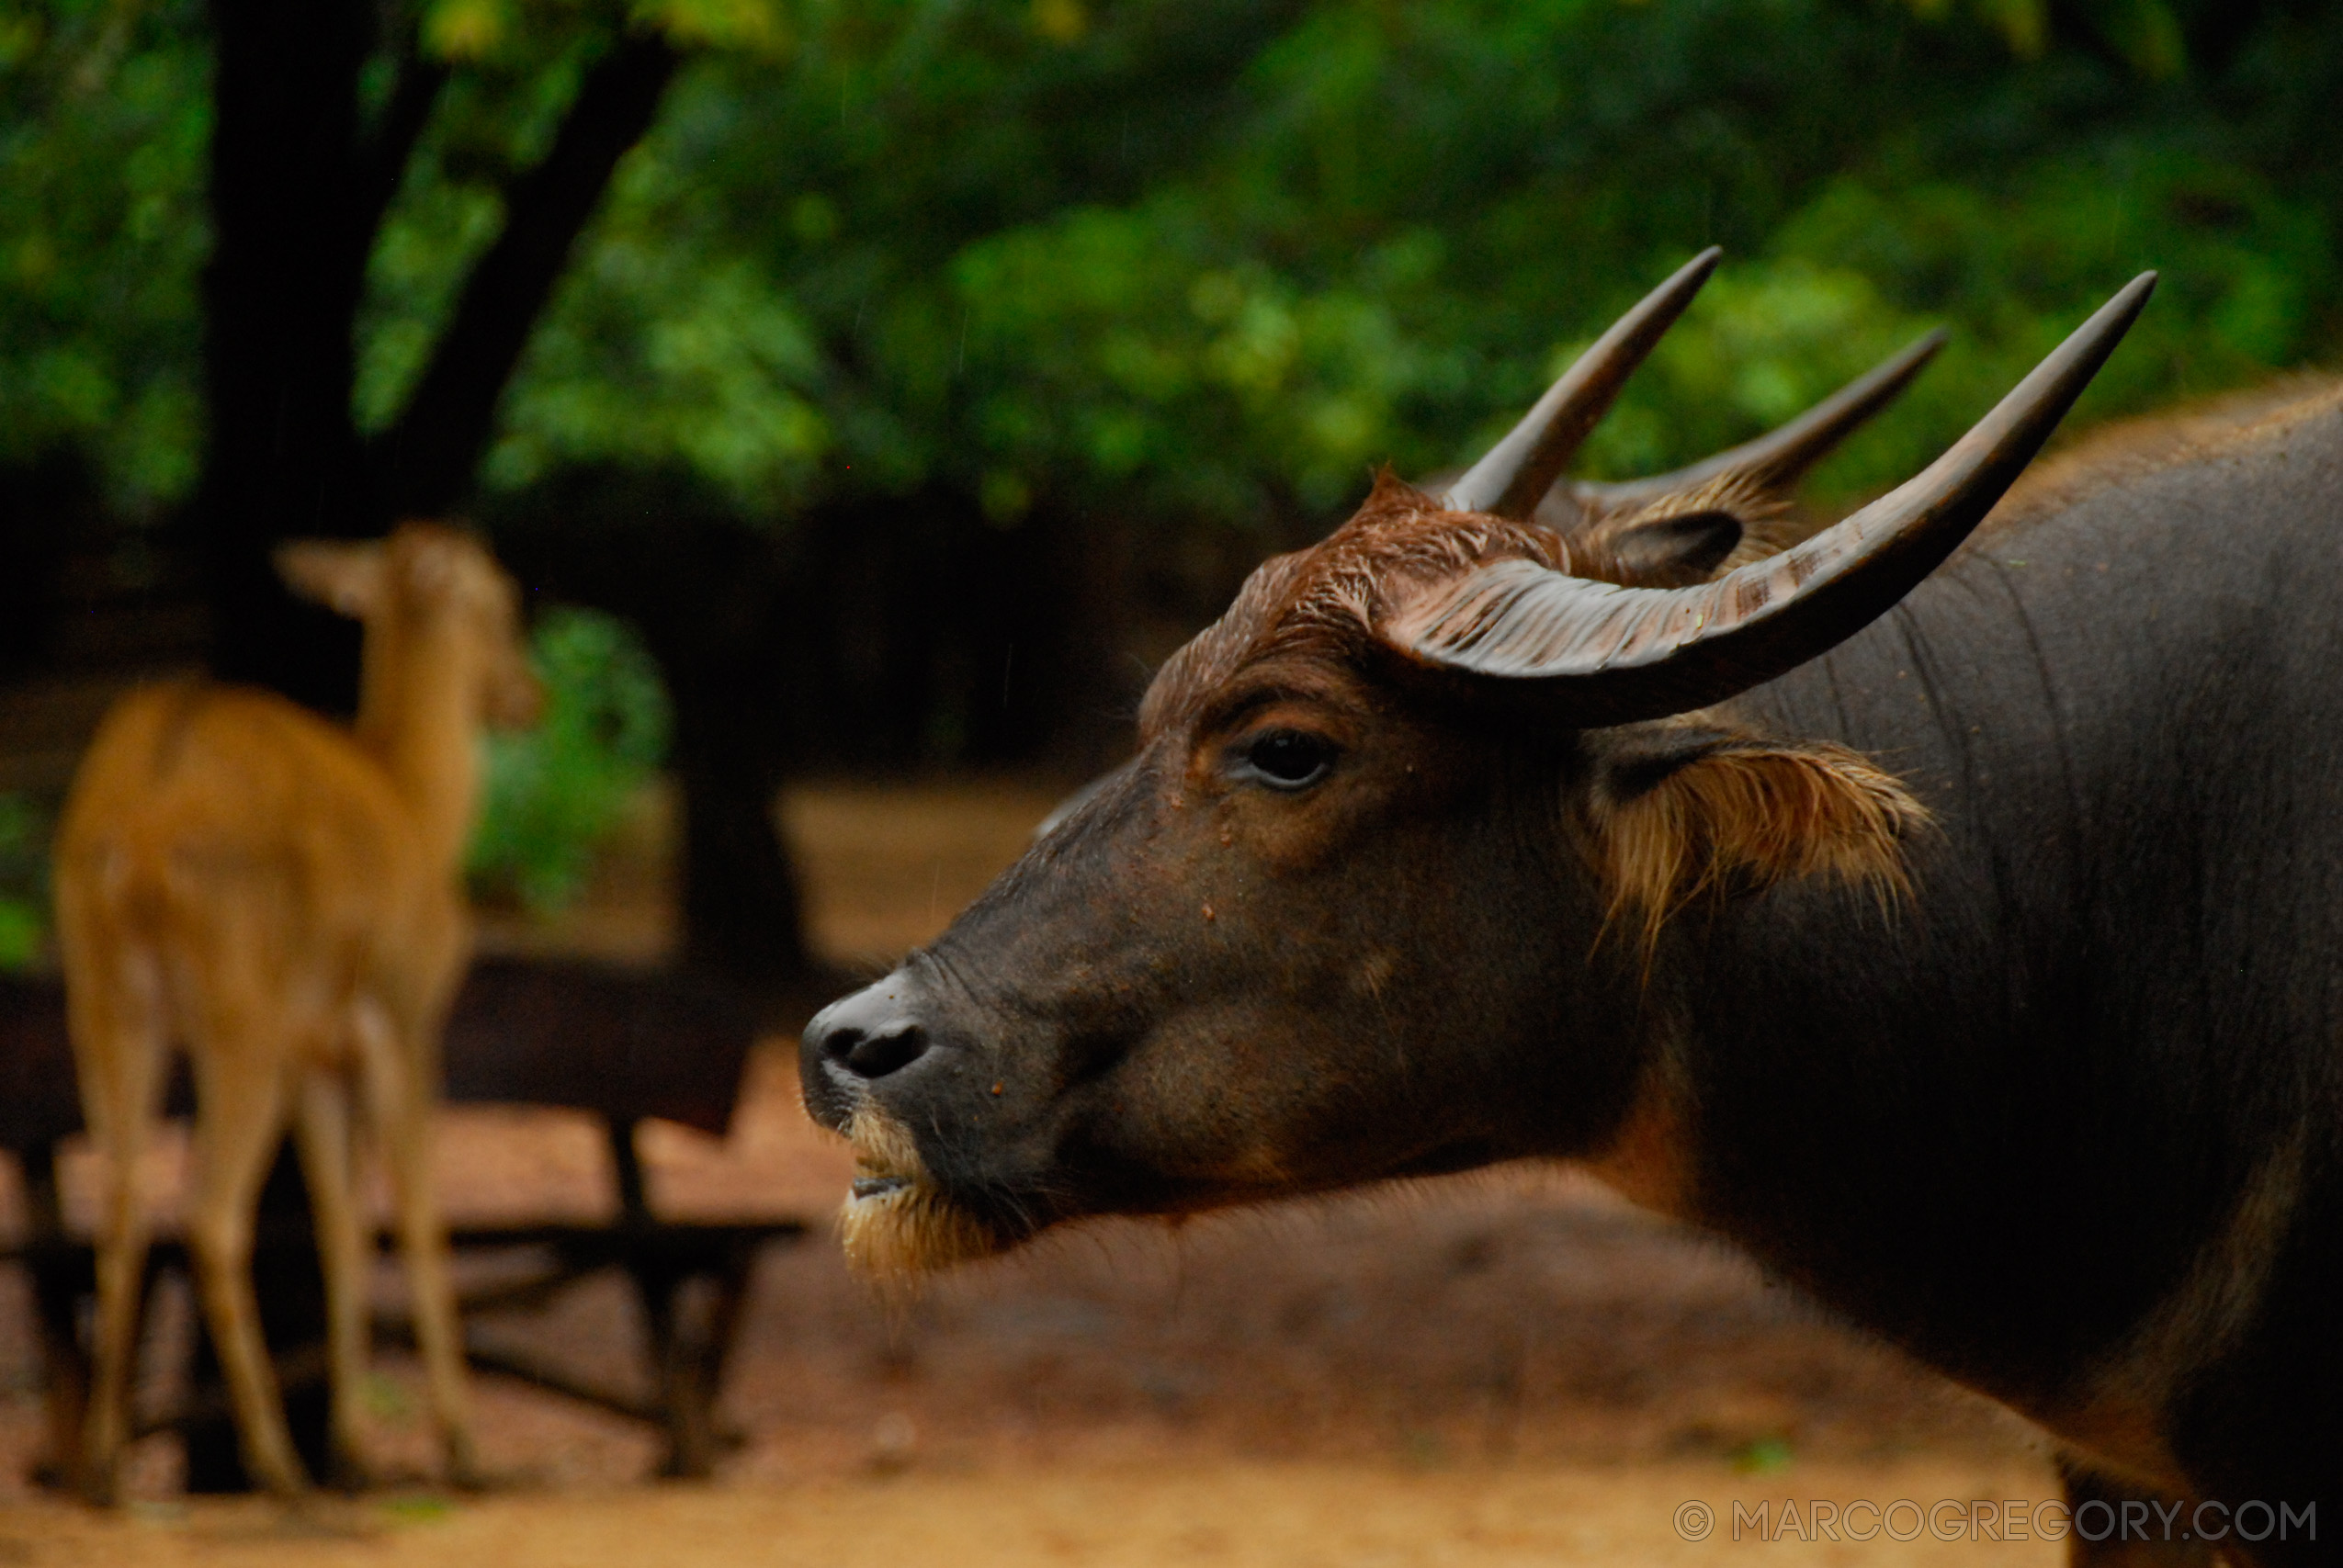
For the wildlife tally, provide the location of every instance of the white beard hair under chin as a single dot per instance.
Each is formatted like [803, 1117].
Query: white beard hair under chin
[893, 1237]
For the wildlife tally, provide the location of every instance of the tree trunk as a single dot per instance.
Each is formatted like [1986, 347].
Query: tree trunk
[426, 463]
[280, 295]
[740, 894]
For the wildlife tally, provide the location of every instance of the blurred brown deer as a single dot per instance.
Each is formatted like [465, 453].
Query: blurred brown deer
[279, 896]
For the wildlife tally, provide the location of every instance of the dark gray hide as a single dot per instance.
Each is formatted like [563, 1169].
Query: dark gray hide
[2064, 1125]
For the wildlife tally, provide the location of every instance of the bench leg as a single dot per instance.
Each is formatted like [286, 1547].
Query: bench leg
[690, 1454]
[692, 1340]
[724, 1320]
[691, 1331]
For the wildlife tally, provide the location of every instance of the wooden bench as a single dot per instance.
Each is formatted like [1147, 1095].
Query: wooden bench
[623, 1044]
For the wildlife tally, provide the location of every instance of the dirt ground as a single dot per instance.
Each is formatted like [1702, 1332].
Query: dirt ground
[1510, 1367]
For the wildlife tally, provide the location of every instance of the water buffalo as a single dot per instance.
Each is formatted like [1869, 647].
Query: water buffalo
[1966, 956]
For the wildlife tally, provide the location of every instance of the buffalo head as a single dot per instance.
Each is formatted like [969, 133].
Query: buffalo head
[1376, 897]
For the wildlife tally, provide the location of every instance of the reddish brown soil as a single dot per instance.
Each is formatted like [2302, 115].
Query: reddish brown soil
[1508, 1369]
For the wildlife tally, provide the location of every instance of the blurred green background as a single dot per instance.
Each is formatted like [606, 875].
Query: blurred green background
[1208, 261]
[965, 354]
[555, 792]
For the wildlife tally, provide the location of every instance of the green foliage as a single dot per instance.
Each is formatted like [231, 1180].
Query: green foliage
[554, 793]
[2146, 34]
[1206, 261]
[26, 822]
[514, 69]
[663, 356]
[103, 124]
[1009, 258]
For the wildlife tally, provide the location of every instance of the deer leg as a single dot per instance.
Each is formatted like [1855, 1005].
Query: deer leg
[401, 1110]
[119, 1045]
[239, 1118]
[321, 1131]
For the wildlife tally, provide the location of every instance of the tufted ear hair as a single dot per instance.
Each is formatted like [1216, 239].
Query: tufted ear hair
[346, 577]
[1685, 536]
[1674, 551]
[1683, 810]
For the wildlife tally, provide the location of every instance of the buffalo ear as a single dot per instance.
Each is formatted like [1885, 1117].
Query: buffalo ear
[1682, 810]
[1672, 552]
[343, 577]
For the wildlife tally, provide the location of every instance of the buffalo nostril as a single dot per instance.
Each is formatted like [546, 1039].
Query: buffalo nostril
[874, 1053]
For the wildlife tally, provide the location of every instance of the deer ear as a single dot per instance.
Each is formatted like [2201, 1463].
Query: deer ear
[343, 577]
[1684, 809]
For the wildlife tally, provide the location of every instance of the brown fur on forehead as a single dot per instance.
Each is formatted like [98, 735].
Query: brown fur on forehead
[1325, 601]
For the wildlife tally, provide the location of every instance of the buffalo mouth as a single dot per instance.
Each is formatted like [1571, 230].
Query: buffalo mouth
[898, 1222]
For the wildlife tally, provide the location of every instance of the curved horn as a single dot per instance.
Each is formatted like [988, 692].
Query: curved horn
[1620, 654]
[1519, 469]
[1779, 459]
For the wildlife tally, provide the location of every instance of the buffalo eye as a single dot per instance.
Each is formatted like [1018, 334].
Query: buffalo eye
[1283, 759]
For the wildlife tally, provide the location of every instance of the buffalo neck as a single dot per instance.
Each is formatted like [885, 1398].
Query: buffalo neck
[2013, 1110]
